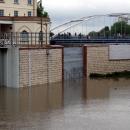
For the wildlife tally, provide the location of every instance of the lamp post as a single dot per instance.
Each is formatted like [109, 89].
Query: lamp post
[41, 32]
[46, 32]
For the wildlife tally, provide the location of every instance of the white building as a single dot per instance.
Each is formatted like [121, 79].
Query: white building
[21, 16]
[18, 7]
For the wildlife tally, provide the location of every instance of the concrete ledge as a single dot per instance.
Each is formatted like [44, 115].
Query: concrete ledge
[44, 47]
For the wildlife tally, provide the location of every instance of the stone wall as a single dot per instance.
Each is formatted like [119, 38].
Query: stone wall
[96, 60]
[40, 66]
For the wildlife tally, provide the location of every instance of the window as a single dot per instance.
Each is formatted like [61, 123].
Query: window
[29, 2]
[29, 13]
[24, 36]
[1, 12]
[16, 1]
[15, 13]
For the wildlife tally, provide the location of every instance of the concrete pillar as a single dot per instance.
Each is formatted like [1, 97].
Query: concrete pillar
[9, 67]
[0, 68]
[3, 52]
[13, 67]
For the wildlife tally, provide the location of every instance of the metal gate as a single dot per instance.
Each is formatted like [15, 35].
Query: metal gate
[73, 63]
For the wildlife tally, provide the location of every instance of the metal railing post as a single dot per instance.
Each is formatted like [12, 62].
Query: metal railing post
[46, 33]
[11, 38]
[41, 37]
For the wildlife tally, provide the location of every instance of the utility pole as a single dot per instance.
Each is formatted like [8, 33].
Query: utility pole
[46, 33]
[41, 33]
[41, 25]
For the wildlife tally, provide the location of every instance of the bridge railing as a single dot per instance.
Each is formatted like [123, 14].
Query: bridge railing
[63, 36]
[23, 39]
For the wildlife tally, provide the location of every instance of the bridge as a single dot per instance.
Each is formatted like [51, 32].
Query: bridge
[108, 28]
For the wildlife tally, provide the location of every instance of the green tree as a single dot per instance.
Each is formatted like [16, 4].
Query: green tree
[40, 11]
[104, 32]
[92, 34]
[120, 27]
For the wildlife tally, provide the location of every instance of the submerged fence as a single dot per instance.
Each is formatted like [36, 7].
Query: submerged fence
[23, 39]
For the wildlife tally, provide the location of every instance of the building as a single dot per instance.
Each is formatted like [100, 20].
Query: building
[20, 16]
[25, 58]
[18, 8]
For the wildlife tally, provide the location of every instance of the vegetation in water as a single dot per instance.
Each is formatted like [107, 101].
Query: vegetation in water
[122, 74]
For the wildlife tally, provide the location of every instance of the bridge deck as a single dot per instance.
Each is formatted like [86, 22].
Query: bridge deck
[86, 41]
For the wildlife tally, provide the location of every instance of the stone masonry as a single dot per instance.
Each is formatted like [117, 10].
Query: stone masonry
[96, 59]
[40, 66]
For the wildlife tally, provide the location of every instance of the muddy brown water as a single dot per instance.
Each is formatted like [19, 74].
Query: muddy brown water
[78, 105]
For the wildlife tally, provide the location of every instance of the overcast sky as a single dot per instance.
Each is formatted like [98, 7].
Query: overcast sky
[61, 11]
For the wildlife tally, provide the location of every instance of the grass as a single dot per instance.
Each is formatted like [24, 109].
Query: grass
[122, 74]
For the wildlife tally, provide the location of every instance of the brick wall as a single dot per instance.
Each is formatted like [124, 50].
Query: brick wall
[96, 59]
[24, 68]
[39, 66]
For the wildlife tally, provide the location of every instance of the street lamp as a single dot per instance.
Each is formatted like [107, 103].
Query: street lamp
[41, 32]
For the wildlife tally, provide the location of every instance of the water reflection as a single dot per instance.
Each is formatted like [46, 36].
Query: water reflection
[79, 105]
[103, 89]
[87, 89]
[34, 99]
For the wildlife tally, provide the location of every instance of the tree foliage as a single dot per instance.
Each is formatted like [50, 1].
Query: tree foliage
[119, 28]
[40, 11]
[104, 31]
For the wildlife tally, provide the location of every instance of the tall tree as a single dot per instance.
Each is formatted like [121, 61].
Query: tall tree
[120, 27]
[40, 10]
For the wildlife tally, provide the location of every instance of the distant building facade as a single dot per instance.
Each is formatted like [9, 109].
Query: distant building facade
[18, 8]
[21, 16]
[124, 18]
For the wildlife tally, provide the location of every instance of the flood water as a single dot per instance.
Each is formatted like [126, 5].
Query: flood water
[78, 105]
